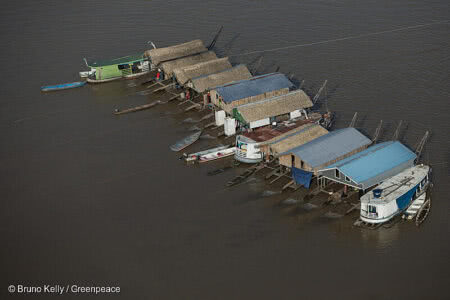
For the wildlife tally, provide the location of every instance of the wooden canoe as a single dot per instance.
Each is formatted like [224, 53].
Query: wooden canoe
[187, 141]
[63, 86]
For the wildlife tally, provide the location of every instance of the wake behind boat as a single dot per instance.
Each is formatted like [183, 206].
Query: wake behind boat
[63, 86]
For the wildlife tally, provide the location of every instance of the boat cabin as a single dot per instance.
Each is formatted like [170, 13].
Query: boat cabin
[123, 67]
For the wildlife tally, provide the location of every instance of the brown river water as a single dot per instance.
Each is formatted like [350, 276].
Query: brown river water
[88, 198]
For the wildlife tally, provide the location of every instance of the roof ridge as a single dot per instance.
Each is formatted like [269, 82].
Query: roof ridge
[269, 99]
[253, 78]
[308, 126]
[226, 70]
[367, 151]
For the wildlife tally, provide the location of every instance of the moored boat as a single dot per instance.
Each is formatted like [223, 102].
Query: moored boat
[217, 154]
[195, 156]
[248, 143]
[395, 195]
[63, 86]
[126, 67]
[187, 141]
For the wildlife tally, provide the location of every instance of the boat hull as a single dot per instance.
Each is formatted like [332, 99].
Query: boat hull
[132, 76]
[217, 155]
[187, 141]
[64, 86]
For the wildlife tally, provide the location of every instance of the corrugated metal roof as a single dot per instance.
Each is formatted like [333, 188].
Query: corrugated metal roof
[330, 146]
[373, 161]
[254, 86]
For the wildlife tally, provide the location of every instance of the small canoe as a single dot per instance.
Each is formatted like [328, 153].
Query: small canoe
[195, 156]
[217, 154]
[137, 108]
[63, 86]
[187, 141]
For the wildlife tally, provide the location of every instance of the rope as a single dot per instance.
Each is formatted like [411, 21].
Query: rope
[342, 39]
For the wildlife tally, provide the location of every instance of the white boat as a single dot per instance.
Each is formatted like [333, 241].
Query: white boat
[395, 195]
[217, 154]
[195, 156]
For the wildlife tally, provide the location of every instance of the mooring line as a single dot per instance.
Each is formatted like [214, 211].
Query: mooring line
[342, 39]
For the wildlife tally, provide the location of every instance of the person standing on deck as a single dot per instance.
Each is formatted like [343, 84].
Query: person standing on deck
[188, 95]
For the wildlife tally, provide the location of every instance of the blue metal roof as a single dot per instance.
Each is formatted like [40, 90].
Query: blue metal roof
[330, 146]
[373, 162]
[254, 86]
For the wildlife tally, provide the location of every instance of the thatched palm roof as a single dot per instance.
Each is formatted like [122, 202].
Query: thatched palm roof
[296, 137]
[159, 55]
[202, 83]
[204, 68]
[169, 66]
[274, 106]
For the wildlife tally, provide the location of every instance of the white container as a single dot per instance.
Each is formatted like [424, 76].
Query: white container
[220, 117]
[259, 123]
[230, 126]
[295, 114]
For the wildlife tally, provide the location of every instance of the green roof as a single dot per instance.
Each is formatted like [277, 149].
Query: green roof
[117, 61]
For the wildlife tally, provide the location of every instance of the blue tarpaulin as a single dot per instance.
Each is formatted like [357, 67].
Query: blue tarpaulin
[302, 177]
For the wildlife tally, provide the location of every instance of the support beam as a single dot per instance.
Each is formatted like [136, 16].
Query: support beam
[216, 37]
[258, 65]
[421, 144]
[316, 97]
[377, 132]
[302, 84]
[397, 131]
[353, 122]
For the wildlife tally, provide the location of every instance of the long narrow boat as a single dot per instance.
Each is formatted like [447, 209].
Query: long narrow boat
[63, 86]
[137, 108]
[217, 154]
[195, 156]
[187, 141]
[126, 67]
[395, 195]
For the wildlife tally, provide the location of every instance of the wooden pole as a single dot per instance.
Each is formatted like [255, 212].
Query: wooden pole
[352, 123]
[397, 131]
[316, 97]
[377, 132]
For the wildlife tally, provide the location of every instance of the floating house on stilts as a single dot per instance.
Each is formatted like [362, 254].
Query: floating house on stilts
[307, 160]
[168, 67]
[159, 55]
[183, 74]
